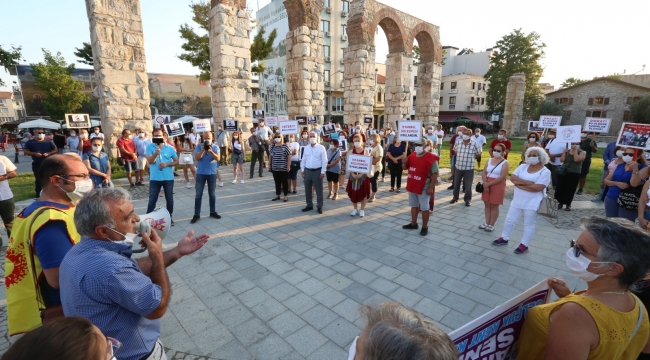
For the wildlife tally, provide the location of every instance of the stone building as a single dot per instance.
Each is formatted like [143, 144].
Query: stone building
[600, 98]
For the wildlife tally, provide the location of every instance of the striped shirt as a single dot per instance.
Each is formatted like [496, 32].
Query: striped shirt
[280, 157]
[100, 282]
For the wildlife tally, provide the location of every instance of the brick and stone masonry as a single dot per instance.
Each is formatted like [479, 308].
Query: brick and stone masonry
[514, 108]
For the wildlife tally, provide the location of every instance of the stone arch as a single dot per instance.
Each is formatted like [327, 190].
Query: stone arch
[304, 13]
[393, 28]
[429, 72]
[429, 42]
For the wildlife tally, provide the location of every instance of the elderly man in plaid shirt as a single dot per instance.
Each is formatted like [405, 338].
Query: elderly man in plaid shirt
[467, 151]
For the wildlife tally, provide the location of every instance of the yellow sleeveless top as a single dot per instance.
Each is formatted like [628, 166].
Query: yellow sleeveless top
[615, 329]
[22, 302]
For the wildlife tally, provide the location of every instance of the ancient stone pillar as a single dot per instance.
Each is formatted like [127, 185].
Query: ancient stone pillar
[120, 66]
[427, 95]
[514, 108]
[230, 64]
[359, 77]
[305, 73]
[398, 87]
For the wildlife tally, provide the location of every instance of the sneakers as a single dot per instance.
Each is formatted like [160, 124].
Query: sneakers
[424, 231]
[410, 226]
[521, 249]
[329, 196]
[141, 183]
[336, 196]
[451, 187]
[354, 212]
[597, 200]
[215, 215]
[361, 213]
[172, 223]
[195, 218]
[234, 181]
[242, 181]
[132, 185]
[579, 192]
[500, 241]
[188, 185]
[221, 184]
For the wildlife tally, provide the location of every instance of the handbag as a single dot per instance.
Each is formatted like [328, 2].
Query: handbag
[548, 207]
[560, 170]
[120, 161]
[629, 198]
[479, 185]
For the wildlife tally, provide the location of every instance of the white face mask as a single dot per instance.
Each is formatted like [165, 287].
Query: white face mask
[627, 158]
[332, 147]
[578, 266]
[419, 149]
[371, 142]
[236, 137]
[619, 153]
[338, 129]
[532, 160]
[291, 139]
[427, 149]
[83, 136]
[96, 148]
[392, 133]
[531, 139]
[381, 133]
[312, 140]
[81, 188]
[305, 136]
[357, 143]
[277, 140]
[500, 137]
[130, 136]
[496, 154]
[430, 131]
[465, 137]
[96, 131]
[460, 133]
[583, 135]
[129, 238]
[73, 134]
[141, 135]
[41, 136]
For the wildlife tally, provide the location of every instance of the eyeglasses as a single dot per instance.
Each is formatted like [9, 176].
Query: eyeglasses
[83, 176]
[114, 346]
[578, 250]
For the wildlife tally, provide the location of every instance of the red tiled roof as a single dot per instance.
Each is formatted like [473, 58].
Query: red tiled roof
[381, 79]
[5, 94]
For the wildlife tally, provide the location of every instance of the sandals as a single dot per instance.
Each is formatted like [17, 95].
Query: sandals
[399, 190]
[489, 228]
[286, 198]
[568, 208]
[391, 190]
[482, 227]
[559, 206]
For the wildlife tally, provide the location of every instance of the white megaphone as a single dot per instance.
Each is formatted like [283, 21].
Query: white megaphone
[159, 221]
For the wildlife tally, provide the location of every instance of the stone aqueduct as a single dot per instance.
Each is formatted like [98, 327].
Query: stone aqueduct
[120, 63]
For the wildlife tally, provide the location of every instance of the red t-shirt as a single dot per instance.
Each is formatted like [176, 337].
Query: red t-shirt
[451, 144]
[505, 142]
[128, 145]
[85, 146]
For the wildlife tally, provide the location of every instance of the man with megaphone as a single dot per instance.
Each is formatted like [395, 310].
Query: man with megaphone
[123, 297]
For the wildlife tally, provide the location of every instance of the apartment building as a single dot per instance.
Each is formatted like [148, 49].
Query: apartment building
[11, 106]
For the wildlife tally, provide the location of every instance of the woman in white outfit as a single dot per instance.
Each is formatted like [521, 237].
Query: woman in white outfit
[185, 150]
[531, 180]
[238, 155]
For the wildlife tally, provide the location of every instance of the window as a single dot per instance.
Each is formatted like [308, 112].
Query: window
[342, 53]
[327, 75]
[596, 113]
[453, 84]
[327, 103]
[452, 100]
[324, 26]
[564, 101]
[482, 101]
[630, 100]
[598, 101]
[4, 110]
[567, 114]
[441, 100]
[337, 104]
[474, 86]
[626, 115]
[345, 6]
[442, 86]
[326, 3]
[479, 86]
[471, 101]
[326, 50]
[415, 80]
[343, 30]
[3, 101]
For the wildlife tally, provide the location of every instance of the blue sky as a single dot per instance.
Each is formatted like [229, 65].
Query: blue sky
[584, 38]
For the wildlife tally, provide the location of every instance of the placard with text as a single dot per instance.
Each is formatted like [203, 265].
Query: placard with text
[174, 129]
[410, 131]
[202, 125]
[568, 134]
[598, 125]
[230, 125]
[549, 122]
[289, 127]
[533, 126]
[359, 163]
[271, 121]
[634, 135]
[77, 121]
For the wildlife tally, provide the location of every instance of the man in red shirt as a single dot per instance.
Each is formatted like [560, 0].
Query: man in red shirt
[501, 139]
[127, 148]
[422, 166]
[84, 143]
[459, 132]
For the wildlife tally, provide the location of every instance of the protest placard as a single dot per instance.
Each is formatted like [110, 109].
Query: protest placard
[359, 163]
[495, 335]
[311, 120]
[410, 131]
[568, 134]
[367, 119]
[343, 144]
[271, 121]
[160, 120]
[329, 129]
[230, 125]
[258, 114]
[202, 125]
[533, 126]
[634, 135]
[282, 118]
[77, 121]
[549, 122]
[174, 129]
[598, 125]
[302, 120]
[289, 127]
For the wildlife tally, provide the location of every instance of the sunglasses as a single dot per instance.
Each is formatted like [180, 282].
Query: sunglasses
[631, 154]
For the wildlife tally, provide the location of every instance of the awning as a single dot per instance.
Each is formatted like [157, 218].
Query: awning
[447, 118]
[476, 118]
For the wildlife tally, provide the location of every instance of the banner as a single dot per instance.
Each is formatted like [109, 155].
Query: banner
[289, 127]
[329, 129]
[548, 121]
[160, 120]
[568, 134]
[230, 125]
[598, 125]
[495, 335]
[202, 125]
[174, 129]
[282, 118]
[271, 121]
[367, 119]
[77, 121]
[302, 120]
[359, 163]
[258, 114]
[343, 144]
[533, 126]
[311, 120]
[634, 136]
[410, 131]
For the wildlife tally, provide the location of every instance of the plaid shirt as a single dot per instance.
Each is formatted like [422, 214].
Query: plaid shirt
[466, 154]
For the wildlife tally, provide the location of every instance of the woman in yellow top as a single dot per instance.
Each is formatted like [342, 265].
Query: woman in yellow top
[606, 321]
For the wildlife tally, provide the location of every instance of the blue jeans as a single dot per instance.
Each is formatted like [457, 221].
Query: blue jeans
[612, 209]
[200, 185]
[154, 191]
[439, 147]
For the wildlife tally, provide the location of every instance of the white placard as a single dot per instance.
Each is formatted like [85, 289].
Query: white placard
[282, 118]
[271, 121]
[410, 131]
[289, 127]
[597, 125]
[533, 126]
[549, 122]
[568, 134]
[359, 163]
[78, 121]
[202, 125]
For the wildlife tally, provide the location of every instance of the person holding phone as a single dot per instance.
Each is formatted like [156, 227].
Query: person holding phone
[163, 159]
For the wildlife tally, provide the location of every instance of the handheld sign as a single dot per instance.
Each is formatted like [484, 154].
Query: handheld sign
[329, 129]
[282, 118]
[634, 136]
[230, 125]
[549, 122]
[160, 120]
[410, 131]
[597, 125]
[271, 121]
[311, 120]
[289, 127]
[568, 134]
[533, 126]
[367, 119]
[258, 114]
[77, 121]
[359, 163]
[202, 125]
[302, 120]
[343, 144]
[174, 129]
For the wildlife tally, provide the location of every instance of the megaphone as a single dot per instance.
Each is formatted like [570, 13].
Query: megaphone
[159, 221]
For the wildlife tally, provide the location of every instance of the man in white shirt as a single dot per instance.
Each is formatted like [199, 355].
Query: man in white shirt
[313, 166]
[554, 149]
[7, 208]
[264, 133]
[440, 134]
[480, 139]
[96, 133]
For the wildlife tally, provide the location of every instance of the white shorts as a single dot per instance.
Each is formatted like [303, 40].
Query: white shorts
[142, 162]
[419, 200]
[186, 159]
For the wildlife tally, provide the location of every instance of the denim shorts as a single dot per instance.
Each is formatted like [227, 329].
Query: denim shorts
[130, 166]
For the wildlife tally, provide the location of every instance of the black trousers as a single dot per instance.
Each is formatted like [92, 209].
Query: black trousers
[281, 182]
[566, 188]
[396, 171]
[257, 156]
[373, 181]
[7, 211]
[37, 183]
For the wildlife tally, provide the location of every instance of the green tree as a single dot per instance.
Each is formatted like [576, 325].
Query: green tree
[640, 111]
[261, 48]
[85, 54]
[516, 53]
[549, 107]
[417, 56]
[9, 58]
[569, 82]
[62, 93]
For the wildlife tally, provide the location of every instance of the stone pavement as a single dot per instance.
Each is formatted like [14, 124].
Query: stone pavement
[276, 283]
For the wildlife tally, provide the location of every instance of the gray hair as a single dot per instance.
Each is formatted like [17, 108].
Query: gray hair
[543, 156]
[623, 242]
[395, 332]
[95, 209]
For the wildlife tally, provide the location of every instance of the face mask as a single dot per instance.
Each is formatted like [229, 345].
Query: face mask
[332, 147]
[73, 134]
[96, 131]
[220, 129]
[130, 137]
[497, 154]
[381, 133]
[141, 135]
[532, 160]
[292, 139]
[477, 134]
[357, 143]
[129, 238]
[430, 131]
[41, 136]
[427, 149]
[465, 137]
[578, 266]
[338, 129]
[236, 137]
[619, 153]
[583, 135]
[305, 136]
[531, 139]
[83, 136]
[277, 140]
[627, 158]
[419, 149]
[261, 124]
[392, 133]
[371, 142]
[500, 137]
[97, 148]
[460, 133]
[312, 140]
[551, 136]
[81, 188]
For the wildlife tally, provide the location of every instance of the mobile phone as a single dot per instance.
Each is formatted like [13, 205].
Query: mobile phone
[158, 141]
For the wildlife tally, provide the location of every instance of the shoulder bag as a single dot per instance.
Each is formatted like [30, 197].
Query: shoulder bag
[629, 198]
[479, 185]
[548, 207]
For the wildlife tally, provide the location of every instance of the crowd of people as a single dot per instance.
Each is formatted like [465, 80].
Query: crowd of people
[77, 276]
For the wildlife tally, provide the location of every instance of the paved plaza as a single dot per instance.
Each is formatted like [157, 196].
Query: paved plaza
[276, 283]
